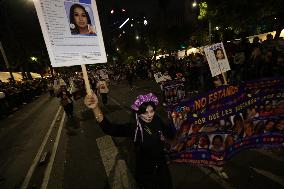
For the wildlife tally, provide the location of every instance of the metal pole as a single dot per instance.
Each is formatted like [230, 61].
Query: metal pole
[6, 61]
[210, 31]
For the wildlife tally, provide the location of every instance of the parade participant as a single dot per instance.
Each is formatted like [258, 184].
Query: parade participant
[51, 89]
[130, 77]
[102, 89]
[66, 100]
[80, 22]
[149, 134]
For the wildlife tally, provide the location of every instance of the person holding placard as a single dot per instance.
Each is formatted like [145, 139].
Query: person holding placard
[103, 89]
[149, 134]
[80, 22]
[66, 100]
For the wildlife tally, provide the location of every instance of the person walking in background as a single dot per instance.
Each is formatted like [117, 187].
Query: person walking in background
[66, 100]
[103, 90]
[129, 77]
[51, 89]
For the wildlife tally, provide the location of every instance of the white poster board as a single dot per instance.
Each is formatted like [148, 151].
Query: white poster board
[72, 31]
[217, 59]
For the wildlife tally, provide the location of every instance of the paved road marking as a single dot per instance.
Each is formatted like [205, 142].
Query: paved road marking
[117, 103]
[119, 176]
[216, 178]
[53, 153]
[270, 175]
[36, 159]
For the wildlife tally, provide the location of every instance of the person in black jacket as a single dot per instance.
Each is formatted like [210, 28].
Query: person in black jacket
[149, 134]
[66, 100]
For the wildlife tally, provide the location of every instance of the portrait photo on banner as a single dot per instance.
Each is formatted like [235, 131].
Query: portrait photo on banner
[81, 18]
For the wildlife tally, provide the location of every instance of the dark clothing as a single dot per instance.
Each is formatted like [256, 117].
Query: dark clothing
[66, 102]
[51, 92]
[151, 167]
[129, 77]
[104, 98]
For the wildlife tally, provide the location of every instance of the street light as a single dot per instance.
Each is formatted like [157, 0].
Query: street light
[137, 37]
[145, 22]
[34, 58]
[194, 4]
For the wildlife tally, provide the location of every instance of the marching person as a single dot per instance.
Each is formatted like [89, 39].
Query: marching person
[148, 133]
[51, 89]
[102, 89]
[66, 100]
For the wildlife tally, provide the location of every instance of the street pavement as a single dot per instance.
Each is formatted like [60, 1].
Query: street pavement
[81, 156]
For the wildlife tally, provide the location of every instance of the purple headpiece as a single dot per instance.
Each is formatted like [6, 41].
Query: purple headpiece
[150, 97]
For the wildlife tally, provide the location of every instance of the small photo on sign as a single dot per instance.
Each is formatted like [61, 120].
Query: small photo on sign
[81, 19]
[219, 54]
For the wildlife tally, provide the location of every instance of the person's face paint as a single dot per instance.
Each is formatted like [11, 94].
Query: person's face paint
[80, 17]
[148, 115]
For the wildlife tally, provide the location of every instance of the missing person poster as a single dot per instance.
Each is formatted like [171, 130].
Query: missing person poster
[72, 31]
[217, 59]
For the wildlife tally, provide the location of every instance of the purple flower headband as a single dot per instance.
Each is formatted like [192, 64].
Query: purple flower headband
[150, 97]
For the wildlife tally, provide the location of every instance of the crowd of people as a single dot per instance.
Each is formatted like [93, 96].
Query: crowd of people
[248, 61]
[14, 94]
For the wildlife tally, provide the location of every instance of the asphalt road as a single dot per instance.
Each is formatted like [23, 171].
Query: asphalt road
[41, 148]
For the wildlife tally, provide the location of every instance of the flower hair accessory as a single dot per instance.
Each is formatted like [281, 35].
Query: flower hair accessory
[150, 97]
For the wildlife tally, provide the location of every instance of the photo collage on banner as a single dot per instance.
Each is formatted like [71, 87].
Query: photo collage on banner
[174, 91]
[213, 127]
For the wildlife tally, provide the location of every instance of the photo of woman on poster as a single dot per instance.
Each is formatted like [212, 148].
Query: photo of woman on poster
[219, 54]
[80, 21]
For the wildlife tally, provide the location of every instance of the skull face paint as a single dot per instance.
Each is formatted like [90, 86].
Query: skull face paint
[148, 115]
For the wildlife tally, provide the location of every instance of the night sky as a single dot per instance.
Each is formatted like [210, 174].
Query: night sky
[21, 27]
[20, 15]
